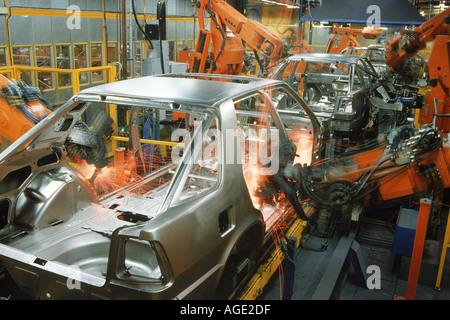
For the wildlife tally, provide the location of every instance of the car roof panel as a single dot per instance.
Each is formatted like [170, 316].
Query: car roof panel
[178, 88]
[349, 58]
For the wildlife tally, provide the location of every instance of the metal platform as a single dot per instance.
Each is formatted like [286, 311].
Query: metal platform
[326, 270]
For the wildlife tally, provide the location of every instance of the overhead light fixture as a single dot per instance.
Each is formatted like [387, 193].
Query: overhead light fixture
[290, 6]
[323, 24]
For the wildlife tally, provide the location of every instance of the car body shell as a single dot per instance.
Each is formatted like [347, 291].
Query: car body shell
[376, 55]
[343, 111]
[58, 240]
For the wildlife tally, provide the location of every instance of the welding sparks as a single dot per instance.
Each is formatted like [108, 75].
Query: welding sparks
[110, 177]
[101, 180]
[274, 206]
[304, 149]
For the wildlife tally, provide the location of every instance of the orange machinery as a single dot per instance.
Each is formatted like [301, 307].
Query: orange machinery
[229, 28]
[420, 165]
[346, 37]
[296, 43]
[410, 164]
[342, 38]
[20, 109]
[436, 109]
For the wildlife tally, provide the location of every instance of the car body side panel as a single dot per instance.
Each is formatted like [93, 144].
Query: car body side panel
[212, 241]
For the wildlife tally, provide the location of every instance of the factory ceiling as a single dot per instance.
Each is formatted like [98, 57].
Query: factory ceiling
[387, 12]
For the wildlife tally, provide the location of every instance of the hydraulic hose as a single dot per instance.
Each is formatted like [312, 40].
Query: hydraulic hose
[161, 16]
[26, 111]
[213, 18]
[139, 25]
[290, 193]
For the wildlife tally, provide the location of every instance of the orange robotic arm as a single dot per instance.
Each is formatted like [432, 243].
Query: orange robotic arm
[229, 28]
[412, 163]
[417, 165]
[436, 109]
[346, 37]
[406, 44]
[18, 114]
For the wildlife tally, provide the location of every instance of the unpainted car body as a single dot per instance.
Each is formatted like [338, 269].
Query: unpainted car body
[174, 230]
[409, 72]
[344, 92]
[376, 54]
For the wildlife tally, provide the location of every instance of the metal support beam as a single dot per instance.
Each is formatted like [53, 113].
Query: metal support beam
[289, 268]
[330, 278]
[124, 41]
[358, 263]
[254, 287]
[419, 240]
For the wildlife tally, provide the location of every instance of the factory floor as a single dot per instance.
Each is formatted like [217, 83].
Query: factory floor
[324, 270]
[319, 276]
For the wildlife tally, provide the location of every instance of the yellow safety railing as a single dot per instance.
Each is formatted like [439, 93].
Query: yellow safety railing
[14, 72]
[158, 142]
[163, 144]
